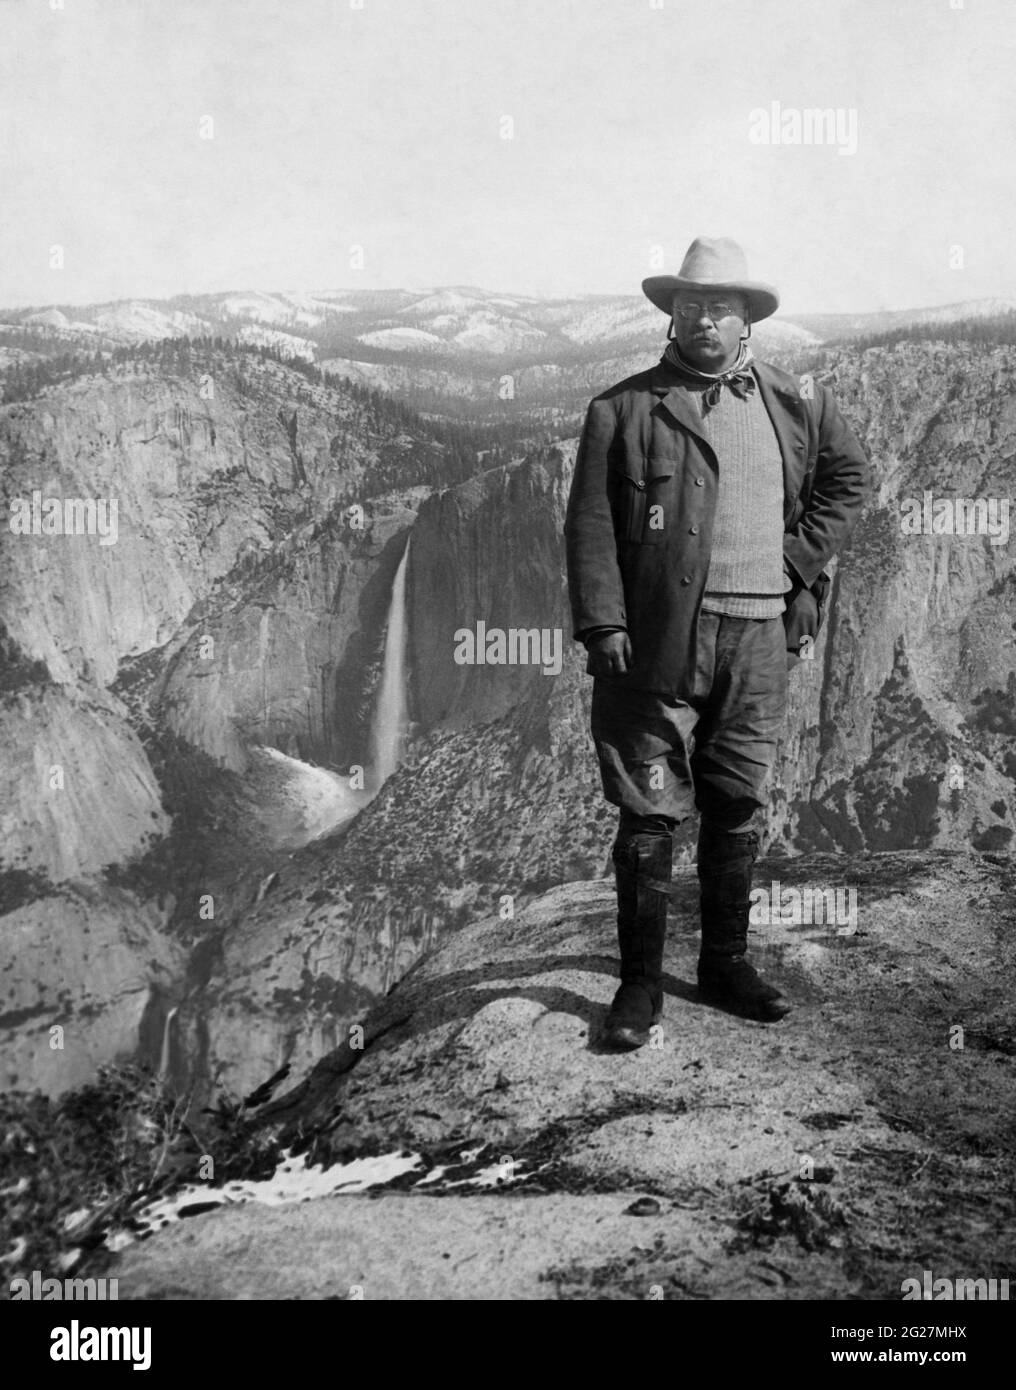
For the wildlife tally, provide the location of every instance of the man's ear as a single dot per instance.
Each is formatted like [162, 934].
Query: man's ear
[671, 330]
[746, 336]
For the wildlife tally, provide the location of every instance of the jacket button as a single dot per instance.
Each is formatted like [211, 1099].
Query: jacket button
[693, 530]
[640, 484]
[686, 579]
[700, 482]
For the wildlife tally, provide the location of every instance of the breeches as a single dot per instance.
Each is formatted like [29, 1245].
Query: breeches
[664, 758]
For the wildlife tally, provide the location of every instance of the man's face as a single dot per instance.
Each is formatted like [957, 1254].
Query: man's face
[707, 343]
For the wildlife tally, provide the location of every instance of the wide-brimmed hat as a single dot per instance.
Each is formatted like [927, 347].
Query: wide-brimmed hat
[712, 264]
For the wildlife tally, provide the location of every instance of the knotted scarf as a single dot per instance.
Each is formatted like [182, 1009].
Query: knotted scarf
[739, 379]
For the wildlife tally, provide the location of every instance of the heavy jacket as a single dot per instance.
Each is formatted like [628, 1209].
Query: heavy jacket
[640, 513]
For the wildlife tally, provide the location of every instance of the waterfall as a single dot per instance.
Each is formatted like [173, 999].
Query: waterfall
[391, 718]
[299, 802]
[165, 1055]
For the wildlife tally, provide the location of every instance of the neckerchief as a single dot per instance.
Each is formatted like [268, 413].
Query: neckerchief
[738, 377]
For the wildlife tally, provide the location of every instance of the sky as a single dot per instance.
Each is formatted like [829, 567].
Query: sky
[545, 147]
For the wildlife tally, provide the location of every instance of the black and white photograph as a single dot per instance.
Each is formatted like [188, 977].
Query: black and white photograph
[508, 669]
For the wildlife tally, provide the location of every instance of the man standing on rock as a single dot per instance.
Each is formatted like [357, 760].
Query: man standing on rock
[709, 493]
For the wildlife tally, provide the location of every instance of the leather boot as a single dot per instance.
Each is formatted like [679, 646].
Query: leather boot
[642, 869]
[725, 976]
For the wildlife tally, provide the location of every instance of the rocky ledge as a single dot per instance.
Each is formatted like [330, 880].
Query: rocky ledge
[864, 1139]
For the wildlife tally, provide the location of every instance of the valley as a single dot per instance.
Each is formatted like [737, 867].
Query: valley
[249, 782]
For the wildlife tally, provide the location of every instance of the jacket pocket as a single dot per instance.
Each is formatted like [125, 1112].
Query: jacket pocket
[643, 491]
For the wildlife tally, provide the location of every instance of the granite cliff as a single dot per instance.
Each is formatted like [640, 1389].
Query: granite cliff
[240, 606]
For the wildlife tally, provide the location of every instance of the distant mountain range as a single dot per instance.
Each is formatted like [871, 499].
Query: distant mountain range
[456, 353]
[454, 323]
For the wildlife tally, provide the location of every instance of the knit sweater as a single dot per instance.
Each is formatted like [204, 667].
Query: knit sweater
[746, 577]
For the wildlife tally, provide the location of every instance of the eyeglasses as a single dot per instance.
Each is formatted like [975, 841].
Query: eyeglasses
[720, 310]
